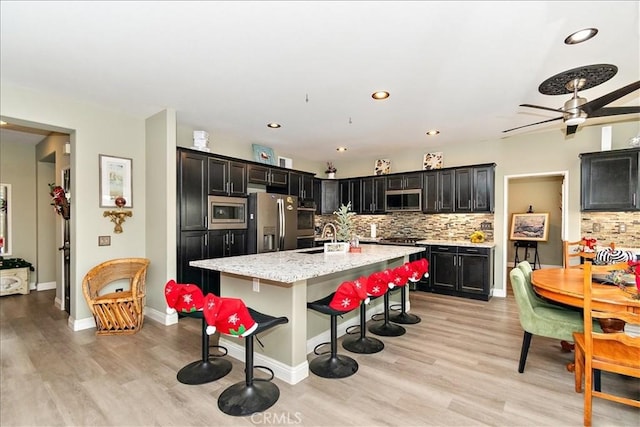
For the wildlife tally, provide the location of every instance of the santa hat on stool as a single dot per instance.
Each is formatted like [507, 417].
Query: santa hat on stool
[400, 276]
[421, 266]
[228, 316]
[184, 298]
[377, 285]
[348, 297]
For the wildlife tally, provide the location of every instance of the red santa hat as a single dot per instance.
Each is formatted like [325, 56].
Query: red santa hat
[388, 277]
[228, 316]
[400, 276]
[421, 266]
[377, 285]
[184, 298]
[348, 297]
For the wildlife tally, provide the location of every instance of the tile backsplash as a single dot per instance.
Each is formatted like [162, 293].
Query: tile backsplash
[606, 227]
[417, 224]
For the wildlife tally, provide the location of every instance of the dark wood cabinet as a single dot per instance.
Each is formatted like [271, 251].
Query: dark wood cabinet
[408, 181]
[227, 178]
[223, 243]
[462, 271]
[610, 181]
[192, 191]
[328, 200]
[193, 245]
[301, 185]
[438, 191]
[350, 192]
[466, 189]
[373, 189]
[268, 176]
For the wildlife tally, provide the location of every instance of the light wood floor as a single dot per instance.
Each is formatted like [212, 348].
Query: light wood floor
[458, 367]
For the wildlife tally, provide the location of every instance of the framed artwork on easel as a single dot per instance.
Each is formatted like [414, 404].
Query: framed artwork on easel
[530, 226]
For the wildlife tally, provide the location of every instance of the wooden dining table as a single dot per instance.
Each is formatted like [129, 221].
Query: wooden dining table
[566, 286]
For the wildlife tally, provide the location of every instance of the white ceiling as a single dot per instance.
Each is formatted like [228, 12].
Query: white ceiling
[231, 67]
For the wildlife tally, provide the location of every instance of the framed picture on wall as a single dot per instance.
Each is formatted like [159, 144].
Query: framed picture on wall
[262, 154]
[115, 181]
[530, 226]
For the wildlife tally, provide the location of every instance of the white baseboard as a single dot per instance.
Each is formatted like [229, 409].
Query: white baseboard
[151, 313]
[44, 286]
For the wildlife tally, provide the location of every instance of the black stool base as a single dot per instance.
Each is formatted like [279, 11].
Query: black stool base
[200, 372]
[241, 399]
[362, 345]
[387, 329]
[339, 366]
[404, 318]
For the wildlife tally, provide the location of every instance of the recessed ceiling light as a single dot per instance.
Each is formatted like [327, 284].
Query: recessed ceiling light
[433, 132]
[381, 94]
[341, 149]
[581, 36]
[273, 125]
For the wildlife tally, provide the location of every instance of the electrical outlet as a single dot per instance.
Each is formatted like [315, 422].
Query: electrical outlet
[104, 240]
[622, 228]
[596, 227]
[256, 284]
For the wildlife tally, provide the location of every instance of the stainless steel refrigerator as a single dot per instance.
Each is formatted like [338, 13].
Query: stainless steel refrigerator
[273, 223]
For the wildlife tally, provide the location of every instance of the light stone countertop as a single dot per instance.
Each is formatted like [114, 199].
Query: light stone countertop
[465, 243]
[291, 266]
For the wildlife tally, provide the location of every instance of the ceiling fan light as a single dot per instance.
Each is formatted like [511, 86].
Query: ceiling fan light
[575, 121]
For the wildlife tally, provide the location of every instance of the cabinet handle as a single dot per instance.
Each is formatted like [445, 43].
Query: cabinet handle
[226, 239]
[472, 250]
[231, 188]
[206, 221]
[232, 239]
[634, 199]
[455, 261]
[206, 239]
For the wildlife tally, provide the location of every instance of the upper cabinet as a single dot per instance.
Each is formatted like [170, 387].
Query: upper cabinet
[328, 199]
[301, 185]
[227, 178]
[409, 181]
[268, 176]
[350, 193]
[610, 180]
[192, 191]
[373, 190]
[466, 189]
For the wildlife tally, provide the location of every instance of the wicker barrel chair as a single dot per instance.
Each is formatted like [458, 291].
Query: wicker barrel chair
[117, 312]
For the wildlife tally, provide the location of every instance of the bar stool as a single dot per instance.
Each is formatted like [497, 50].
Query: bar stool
[209, 368]
[187, 300]
[345, 299]
[393, 277]
[361, 343]
[413, 271]
[231, 317]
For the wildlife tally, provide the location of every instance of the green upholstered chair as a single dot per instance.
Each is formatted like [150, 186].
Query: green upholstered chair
[539, 317]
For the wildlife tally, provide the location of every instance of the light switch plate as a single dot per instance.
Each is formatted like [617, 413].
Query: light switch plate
[104, 240]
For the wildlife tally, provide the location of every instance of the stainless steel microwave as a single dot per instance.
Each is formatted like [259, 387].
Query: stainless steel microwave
[227, 212]
[403, 200]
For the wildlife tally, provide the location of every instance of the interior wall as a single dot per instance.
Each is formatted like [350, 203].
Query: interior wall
[46, 229]
[543, 194]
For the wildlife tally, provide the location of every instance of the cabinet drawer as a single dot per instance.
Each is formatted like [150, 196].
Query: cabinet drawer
[450, 249]
[473, 250]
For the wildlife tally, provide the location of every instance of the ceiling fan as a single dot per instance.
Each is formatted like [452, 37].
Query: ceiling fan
[577, 109]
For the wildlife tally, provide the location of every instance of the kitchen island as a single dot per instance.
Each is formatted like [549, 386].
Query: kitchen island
[281, 284]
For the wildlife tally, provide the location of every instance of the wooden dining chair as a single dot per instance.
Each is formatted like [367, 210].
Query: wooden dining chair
[614, 351]
[571, 251]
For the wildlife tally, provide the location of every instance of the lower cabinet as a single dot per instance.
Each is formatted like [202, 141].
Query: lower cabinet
[462, 271]
[196, 245]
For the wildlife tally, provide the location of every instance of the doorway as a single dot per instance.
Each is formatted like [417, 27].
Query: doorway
[66, 247]
[552, 187]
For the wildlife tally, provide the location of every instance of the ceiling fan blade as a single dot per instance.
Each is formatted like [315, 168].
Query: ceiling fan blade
[533, 124]
[572, 129]
[596, 104]
[614, 111]
[542, 108]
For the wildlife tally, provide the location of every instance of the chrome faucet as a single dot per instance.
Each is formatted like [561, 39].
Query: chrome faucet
[324, 231]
